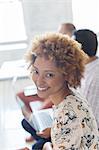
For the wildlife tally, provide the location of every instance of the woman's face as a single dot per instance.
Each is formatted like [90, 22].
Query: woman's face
[47, 77]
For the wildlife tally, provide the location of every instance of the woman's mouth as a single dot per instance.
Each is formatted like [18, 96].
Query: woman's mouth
[42, 89]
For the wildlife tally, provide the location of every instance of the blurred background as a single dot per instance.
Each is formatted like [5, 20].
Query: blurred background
[20, 21]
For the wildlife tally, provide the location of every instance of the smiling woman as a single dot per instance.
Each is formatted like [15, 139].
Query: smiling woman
[57, 71]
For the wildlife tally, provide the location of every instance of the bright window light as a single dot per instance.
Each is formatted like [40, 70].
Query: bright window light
[13, 46]
[11, 21]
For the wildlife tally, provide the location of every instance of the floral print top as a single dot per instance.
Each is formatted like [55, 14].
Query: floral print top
[74, 126]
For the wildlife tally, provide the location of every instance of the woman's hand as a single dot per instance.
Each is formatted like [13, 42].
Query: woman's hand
[45, 133]
[26, 112]
[47, 146]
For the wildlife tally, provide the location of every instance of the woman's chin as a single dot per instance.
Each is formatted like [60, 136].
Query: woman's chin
[43, 96]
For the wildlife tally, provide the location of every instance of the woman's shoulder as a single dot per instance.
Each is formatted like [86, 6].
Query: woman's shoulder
[76, 98]
[78, 104]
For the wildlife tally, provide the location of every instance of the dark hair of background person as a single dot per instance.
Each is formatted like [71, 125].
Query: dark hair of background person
[88, 39]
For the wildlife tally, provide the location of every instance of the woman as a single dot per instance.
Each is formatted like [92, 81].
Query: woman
[57, 65]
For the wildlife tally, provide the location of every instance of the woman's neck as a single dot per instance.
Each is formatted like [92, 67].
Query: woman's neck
[58, 98]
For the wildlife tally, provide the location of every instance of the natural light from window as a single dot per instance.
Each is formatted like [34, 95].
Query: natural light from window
[12, 27]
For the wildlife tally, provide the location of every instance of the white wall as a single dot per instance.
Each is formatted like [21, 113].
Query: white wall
[45, 15]
[86, 14]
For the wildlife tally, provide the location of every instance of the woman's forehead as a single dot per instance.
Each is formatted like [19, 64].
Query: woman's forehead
[43, 61]
[45, 65]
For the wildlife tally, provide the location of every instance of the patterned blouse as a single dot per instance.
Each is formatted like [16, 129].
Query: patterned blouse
[74, 126]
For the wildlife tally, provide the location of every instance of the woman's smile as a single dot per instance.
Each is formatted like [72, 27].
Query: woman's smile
[42, 89]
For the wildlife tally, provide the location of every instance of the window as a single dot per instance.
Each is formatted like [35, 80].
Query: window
[12, 29]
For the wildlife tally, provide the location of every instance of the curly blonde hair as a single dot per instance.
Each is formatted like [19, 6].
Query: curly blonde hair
[64, 51]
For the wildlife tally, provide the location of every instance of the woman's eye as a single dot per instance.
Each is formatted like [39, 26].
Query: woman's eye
[34, 72]
[49, 75]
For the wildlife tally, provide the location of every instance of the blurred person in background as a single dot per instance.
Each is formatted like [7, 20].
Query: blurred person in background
[67, 28]
[90, 83]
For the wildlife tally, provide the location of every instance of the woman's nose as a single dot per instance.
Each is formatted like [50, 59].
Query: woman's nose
[40, 80]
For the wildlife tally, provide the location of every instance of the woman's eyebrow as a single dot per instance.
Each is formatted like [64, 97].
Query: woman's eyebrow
[51, 71]
[35, 67]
